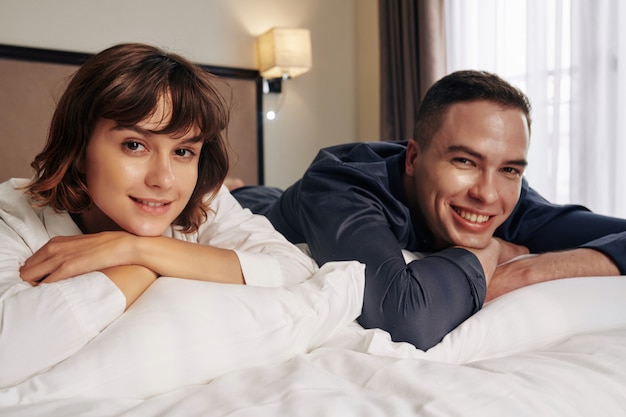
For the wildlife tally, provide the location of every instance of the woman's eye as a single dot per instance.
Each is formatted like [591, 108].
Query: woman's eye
[185, 153]
[133, 146]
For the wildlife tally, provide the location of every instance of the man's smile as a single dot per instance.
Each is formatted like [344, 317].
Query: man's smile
[471, 217]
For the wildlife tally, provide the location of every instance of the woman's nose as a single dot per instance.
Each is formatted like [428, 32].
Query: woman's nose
[160, 173]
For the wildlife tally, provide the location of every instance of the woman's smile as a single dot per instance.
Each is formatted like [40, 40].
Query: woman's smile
[152, 206]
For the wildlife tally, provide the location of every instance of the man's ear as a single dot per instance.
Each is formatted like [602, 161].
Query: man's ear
[412, 151]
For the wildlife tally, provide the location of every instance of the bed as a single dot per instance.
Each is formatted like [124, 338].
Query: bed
[189, 348]
[552, 349]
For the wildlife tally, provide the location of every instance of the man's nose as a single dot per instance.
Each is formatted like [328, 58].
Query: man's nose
[485, 189]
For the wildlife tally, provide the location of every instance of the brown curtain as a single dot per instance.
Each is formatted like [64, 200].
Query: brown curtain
[412, 58]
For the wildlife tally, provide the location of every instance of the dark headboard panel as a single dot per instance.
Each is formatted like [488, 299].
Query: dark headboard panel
[32, 80]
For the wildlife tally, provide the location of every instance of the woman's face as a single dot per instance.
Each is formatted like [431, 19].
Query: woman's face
[139, 181]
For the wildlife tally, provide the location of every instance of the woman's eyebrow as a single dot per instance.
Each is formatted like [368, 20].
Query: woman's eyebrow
[193, 139]
[146, 132]
[133, 128]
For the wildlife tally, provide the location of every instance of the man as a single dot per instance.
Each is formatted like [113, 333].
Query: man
[455, 193]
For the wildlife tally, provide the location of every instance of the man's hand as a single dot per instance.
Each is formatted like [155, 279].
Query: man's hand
[532, 269]
[509, 251]
[497, 252]
[488, 257]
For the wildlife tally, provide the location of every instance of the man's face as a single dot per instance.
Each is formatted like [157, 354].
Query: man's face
[468, 180]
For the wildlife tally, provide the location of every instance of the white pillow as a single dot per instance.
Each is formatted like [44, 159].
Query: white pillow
[532, 317]
[523, 320]
[184, 332]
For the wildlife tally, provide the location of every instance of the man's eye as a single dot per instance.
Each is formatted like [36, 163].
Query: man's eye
[462, 161]
[512, 171]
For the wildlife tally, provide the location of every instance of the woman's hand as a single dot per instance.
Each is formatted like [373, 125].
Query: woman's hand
[68, 256]
[111, 253]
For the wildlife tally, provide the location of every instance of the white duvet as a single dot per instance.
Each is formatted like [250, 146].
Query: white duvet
[552, 349]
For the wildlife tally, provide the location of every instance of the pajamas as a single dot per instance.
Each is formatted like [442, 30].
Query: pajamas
[350, 204]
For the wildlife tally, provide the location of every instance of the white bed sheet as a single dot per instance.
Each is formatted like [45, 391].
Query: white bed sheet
[553, 349]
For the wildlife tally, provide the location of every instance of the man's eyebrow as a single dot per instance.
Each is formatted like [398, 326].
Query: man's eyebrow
[460, 148]
[522, 163]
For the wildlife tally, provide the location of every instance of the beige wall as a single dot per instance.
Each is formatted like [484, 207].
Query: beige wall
[368, 70]
[329, 105]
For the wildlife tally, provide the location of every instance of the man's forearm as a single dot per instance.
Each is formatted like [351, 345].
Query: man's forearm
[549, 266]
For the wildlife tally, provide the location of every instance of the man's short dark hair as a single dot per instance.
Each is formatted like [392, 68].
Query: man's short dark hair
[463, 86]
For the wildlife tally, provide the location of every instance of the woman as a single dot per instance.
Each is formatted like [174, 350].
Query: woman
[128, 188]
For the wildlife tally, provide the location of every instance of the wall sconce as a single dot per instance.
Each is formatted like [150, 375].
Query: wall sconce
[283, 53]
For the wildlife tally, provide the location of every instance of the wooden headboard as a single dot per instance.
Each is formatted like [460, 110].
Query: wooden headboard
[32, 80]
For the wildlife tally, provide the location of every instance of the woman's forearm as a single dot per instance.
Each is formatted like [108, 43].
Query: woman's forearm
[69, 256]
[176, 258]
[132, 280]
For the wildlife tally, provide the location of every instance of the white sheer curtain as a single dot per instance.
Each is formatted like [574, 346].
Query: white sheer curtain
[565, 55]
[599, 105]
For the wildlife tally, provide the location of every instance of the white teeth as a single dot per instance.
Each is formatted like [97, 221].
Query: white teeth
[151, 203]
[472, 217]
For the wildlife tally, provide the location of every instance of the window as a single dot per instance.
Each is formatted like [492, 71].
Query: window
[528, 44]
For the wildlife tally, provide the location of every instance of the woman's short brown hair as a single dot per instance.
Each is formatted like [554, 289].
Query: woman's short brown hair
[124, 83]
